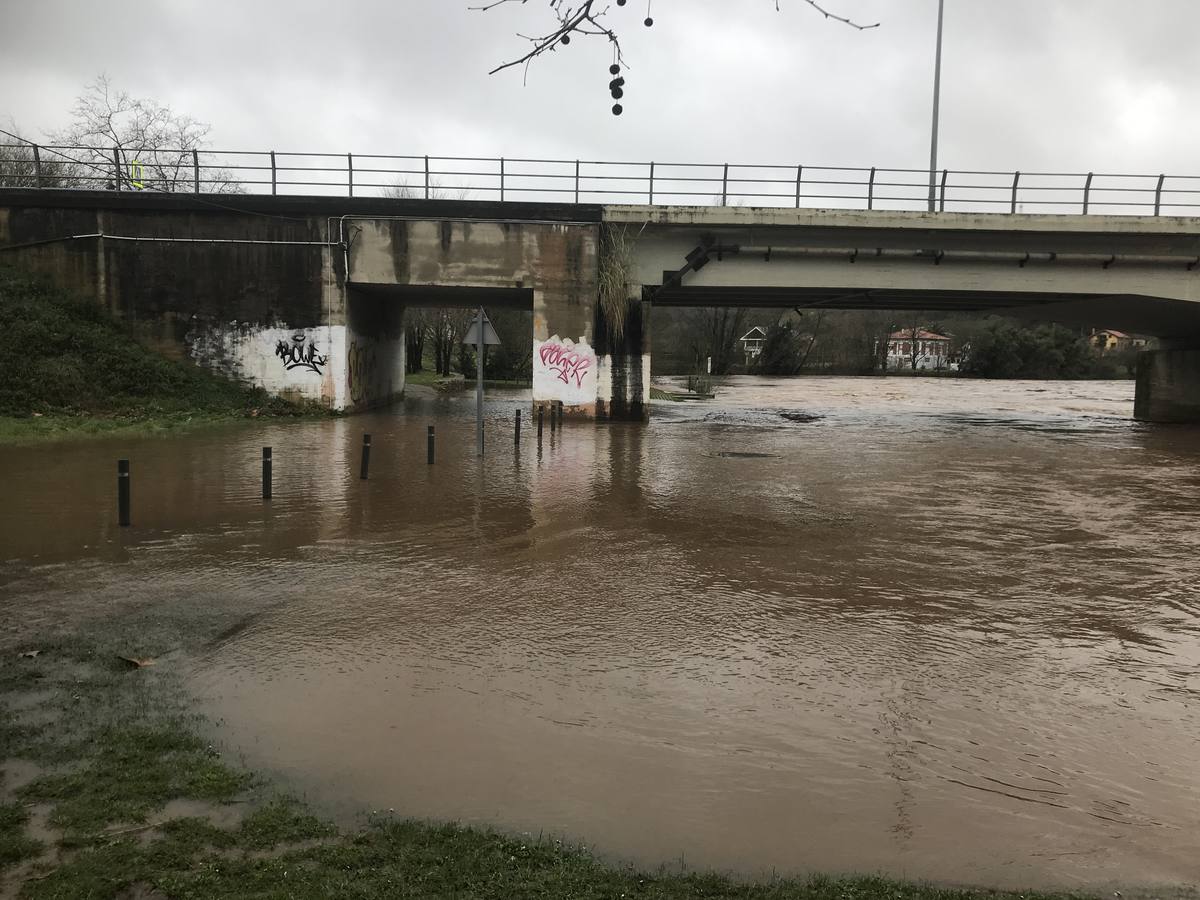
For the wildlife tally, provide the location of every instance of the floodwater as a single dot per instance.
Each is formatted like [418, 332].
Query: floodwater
[935, 628]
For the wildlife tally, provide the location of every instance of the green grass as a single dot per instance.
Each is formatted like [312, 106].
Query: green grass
[56, 427]
[72, 369]
[429, 378]
[133, 771]
[131, 744]
[283, 820]
[15, 844]
[425, 378]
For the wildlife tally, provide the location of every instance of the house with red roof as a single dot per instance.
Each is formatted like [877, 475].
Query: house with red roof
[916, 348]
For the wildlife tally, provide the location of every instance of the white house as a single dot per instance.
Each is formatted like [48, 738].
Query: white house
[752, 342]
[931, 350]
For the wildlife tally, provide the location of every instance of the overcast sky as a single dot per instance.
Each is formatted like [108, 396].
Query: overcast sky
[1052, 85]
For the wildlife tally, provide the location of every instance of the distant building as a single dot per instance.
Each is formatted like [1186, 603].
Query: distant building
[752, 342]
[1109, 341]
[932, 350]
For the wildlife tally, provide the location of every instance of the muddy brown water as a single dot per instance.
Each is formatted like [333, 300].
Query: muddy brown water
[934, 628]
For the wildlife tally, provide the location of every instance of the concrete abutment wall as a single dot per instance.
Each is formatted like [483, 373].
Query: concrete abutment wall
[305, 296]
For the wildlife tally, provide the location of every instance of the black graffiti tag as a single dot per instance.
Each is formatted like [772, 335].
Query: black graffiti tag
[299, 355]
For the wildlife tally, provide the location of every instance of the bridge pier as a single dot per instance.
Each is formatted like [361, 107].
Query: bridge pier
[565, 366]
[623, 385]
[1168, 386]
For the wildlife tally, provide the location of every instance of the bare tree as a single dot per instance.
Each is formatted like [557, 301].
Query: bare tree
[445, 332]
[136, 143]
[914, 349]
[714, 332]
[22, 167]
[400, 189]
[590, 18]
[813, 336]
[416, 327]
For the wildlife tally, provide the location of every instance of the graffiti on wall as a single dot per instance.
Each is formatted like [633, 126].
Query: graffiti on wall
[300, 353]
[564, 370]
[568, 364]
[360, 371]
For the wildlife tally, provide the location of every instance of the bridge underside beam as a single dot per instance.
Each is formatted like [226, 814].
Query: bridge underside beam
[843, 298]
[434, 296]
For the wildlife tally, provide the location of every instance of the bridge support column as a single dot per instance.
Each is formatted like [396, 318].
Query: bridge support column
[564, 356]
[623, 388]
[1168, 386]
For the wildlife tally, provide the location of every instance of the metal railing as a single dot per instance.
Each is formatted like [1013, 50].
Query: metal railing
[592, 181]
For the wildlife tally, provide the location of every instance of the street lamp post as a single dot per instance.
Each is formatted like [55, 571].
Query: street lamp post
[937, 90]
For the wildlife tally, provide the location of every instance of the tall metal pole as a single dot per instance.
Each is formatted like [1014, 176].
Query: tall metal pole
[479, 385]
[937, 91]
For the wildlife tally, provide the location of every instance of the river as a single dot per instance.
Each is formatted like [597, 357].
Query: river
[935, 628]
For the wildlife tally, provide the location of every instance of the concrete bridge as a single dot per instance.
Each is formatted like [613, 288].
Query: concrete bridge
[306, 296]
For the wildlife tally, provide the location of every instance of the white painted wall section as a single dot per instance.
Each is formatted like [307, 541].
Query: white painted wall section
[565, 370]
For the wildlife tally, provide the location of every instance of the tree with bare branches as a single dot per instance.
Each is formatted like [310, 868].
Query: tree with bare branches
[592, 18]
[119, 140]
[21, 168]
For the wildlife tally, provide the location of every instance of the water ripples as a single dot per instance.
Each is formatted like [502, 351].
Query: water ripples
[938, 628]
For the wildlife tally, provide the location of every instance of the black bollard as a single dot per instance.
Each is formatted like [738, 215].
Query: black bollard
[517, 429]
[366, 457]
[541, 415]
[429, 448]
[266, 473]
[560, 414]
[123, 492]
[553, 417]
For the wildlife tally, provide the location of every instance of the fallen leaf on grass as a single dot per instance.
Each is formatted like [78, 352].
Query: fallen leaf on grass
[30, 654]
[137, 663]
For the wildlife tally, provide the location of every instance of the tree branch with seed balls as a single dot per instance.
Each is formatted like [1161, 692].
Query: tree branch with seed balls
[586, 19]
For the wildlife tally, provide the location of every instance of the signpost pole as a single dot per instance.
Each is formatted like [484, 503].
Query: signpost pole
[480, 335]
[479, 384]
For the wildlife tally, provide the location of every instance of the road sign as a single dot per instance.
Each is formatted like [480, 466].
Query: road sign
[490, 338]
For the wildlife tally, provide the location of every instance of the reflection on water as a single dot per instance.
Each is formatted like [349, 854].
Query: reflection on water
[938, 628]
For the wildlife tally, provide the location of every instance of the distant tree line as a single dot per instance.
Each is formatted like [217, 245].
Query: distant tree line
[434, 336]
[1004, 349]
[854, 342]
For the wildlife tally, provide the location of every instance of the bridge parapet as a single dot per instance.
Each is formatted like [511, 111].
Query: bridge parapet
[579, 181]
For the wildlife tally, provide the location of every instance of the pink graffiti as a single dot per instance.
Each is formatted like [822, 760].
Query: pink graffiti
[566, 363]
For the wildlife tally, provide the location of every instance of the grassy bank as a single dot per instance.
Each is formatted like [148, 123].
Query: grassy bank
[429, 378]
[72, 369]
[111, 789]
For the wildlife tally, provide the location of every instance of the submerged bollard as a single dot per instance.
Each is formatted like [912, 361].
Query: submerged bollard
[541, 415]
[123, 492]
[560, 414]
[266, 481]
[429, 448]
[517, 429]
[553, 417]
[366, 457]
